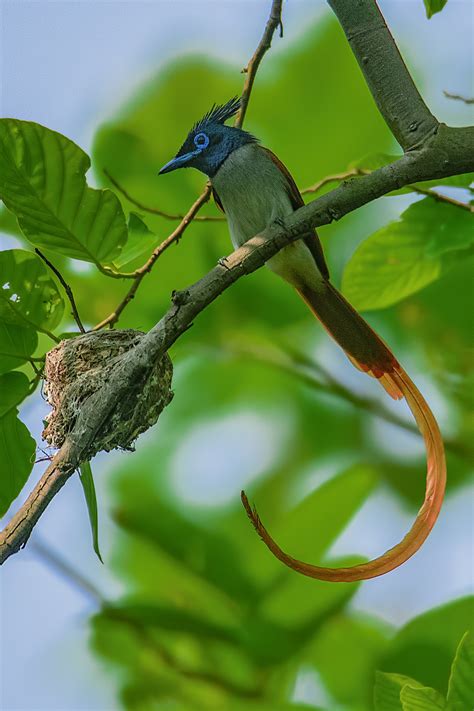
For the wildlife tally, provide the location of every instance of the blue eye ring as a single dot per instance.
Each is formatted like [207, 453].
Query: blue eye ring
[201, 140]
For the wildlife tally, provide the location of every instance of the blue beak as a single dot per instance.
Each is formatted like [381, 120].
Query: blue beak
[178, 162]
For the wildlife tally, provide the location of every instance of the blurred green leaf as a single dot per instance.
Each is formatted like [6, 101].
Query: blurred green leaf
[434, 6]
[425, 647]
[28, 295]
[17, 344]
[14, 388]
[43, 184]
[406, 255]
[87, 480]
[345, 653]
[141, 241]
[461, 682]
[17, 454]
[421, 698]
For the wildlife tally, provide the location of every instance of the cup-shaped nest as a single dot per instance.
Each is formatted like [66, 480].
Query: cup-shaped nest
[77, 368]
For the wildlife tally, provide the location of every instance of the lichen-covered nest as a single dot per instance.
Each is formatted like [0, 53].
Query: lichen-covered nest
[77, 368]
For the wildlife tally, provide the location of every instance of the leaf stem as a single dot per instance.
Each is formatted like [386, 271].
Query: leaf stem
[66, 287]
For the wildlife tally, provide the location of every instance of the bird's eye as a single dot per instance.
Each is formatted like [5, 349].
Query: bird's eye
[201, 140]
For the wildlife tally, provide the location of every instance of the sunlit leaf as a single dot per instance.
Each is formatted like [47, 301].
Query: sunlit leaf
[17, 454]
[425, 647]
[407, 255]
[43, 183]
[17, 344]
[421, 698]
[28, 295]
[387, 690]
[14, 388]
[461, 682]
[141, 241]
[433, 6]
[87, 481]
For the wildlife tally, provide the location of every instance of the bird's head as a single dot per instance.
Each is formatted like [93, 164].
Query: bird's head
[210, 141]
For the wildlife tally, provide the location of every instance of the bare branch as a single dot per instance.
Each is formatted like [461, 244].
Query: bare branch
[251, 69]
[355, 172]
[155, 210]
[67, 289]
[147, 267]
[458, 97]
[385, 72]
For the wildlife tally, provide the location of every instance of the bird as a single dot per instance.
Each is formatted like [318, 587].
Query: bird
[254, 189]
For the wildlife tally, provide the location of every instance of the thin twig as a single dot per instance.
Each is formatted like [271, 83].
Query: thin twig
[458, 97]
[147, 267]
[67, 289]
[155, 210]
[61, 566]
[334, 178]
[251, 69]
[318, 377]
[355, 172]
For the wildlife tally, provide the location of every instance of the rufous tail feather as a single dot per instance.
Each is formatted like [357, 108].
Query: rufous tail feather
[368, 352]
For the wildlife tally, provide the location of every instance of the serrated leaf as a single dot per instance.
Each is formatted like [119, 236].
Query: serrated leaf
[141, 241]
[28, 295]
[461, 681]
[387, 690]
[17, 454]
[433, 6]
[17, 344]
[87, 481]
[14, 388]
[421, 698]
[407, 254]
[43, 183]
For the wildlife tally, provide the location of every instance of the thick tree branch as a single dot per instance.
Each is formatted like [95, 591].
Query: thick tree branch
[385, 72]
[442, 155]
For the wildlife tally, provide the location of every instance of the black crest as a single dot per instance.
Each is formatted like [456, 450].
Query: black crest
[219, 113]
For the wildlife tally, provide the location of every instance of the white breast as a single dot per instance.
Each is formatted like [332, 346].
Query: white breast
[254, 193]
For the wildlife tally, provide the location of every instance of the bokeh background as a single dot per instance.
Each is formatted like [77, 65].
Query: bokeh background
[207, 617]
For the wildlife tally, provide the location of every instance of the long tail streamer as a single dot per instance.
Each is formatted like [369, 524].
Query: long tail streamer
[397, 380]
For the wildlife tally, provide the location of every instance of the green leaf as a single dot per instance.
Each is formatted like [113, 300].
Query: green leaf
[421, 698]
[434, 6]
[141, 241]
[17, 454]
[43, 183]
[14, 388]
[28, 295]
[87, 481]
[347, 669]
[461, 681]
[17, 344]
[387, 691]
[408, 254]
[425, 647]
